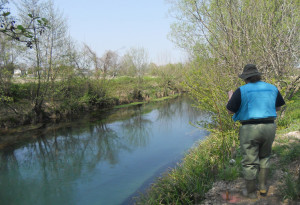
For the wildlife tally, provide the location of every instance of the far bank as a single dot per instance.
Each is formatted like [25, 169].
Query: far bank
[66, 100]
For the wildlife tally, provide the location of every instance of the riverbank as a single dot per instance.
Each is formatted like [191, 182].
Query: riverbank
[69, 100]
[204, 168]
[91, 159]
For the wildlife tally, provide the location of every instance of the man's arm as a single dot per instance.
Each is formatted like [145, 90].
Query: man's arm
[230, 112]
[279, 102]
[230, 93]
[234, 101]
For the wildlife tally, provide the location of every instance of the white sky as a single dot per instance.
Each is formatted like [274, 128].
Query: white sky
[119, 25]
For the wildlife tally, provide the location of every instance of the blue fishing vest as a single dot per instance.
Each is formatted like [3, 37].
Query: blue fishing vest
[257, 101]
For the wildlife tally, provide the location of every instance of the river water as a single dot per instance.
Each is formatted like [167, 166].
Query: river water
[104, 158]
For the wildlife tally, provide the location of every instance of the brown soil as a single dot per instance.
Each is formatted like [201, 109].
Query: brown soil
[224, 192]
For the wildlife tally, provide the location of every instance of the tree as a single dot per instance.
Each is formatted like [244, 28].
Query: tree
[22, 33]
[109, 62]
[10, 31]
[9, 53]
[74, 57]
[171, 77]
[227, 34]
[35, 8]
[94, 59]
[54, 41]
[135, 62]
[48, 48]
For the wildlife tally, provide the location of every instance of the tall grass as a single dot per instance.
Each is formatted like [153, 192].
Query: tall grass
[290, 189]
[291, 117]
[288, 151]
[188, 182]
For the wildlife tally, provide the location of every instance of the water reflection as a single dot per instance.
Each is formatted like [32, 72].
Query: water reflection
[137, 129]
[52, 166]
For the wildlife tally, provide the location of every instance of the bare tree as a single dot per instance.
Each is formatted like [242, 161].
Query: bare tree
[48, 48]
[135, 61]
[109, 62]
[53, 41]
[95, 59]
[235, 33]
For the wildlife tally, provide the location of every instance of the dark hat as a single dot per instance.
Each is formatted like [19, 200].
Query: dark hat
[249, 71]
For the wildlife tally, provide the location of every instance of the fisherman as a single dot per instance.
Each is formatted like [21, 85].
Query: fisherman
[254, 105]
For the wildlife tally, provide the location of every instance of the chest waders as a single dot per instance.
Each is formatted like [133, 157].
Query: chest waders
[256, 113]
[256, 144]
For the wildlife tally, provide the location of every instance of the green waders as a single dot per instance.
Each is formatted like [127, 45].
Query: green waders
[256, 144]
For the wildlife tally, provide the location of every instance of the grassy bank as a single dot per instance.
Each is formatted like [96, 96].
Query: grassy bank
[287, 148]
[149, 100]
[191, 179]
[72, 97]
[188, 182]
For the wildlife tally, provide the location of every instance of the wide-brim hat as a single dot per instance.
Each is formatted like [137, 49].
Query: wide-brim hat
[249, 71]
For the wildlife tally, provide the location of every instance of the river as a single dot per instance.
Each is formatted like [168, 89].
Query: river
[104, 158]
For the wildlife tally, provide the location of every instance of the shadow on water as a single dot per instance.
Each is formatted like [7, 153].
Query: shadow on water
[49, 165]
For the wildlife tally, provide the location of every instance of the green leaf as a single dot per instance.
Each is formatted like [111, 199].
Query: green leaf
[20, 27]
[6, 14]
[30, 15]
[45, 20]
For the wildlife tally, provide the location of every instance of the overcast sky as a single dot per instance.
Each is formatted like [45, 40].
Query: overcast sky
[119, 25]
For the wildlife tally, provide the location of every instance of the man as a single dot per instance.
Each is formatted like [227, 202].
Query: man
[255, 105]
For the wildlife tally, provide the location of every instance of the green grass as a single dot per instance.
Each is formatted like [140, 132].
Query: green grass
[71, 96]
[291, 119]
[164, 98]
[231, 171]
[139, 103]
[288, 149]
[290, 188]
[288, 152]
[130, 104]
[188, 182]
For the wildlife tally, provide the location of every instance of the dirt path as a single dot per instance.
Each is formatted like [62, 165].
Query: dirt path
[230, 192]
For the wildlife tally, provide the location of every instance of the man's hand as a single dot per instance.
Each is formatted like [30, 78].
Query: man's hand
[230, 93]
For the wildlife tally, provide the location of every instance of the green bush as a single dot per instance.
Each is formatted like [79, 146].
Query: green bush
[21, 91]
[288, 153]
[284, 122]
[290, 188]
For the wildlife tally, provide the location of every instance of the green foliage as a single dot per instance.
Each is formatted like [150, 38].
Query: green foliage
[5, 99]
[291, 188]
[283, 123]
[136, 94]
[288, 153]
[209, 89]
[292, 113]
[77, 93]
[231, 170]
[21, 91]
[229, 173]
[22, 33]
[72, 94]
[240, 32]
